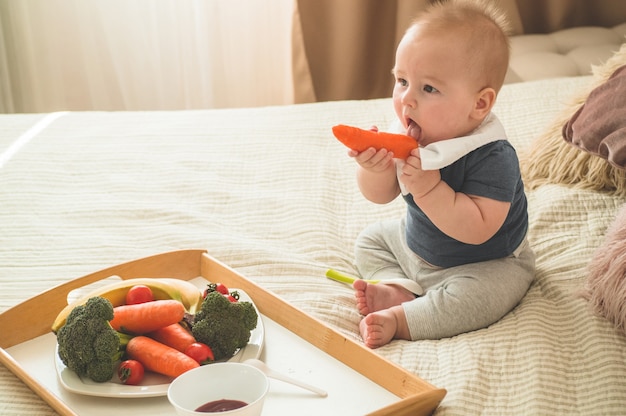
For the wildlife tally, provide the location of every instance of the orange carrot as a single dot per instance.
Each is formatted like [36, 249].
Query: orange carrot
[158, 357]
[175, 336]
[360, 140]
[147, 317]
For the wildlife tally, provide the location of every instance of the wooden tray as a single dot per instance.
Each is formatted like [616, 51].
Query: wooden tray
[19, 324]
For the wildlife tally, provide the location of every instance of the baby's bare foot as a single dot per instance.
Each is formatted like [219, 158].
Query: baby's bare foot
[375, 297]
[378, 328]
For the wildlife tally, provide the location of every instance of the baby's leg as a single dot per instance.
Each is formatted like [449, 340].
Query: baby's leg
[381, 251]
[469, 297]
[375, 297]
[378, 328]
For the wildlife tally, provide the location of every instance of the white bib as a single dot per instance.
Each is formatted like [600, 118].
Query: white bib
[440, 154]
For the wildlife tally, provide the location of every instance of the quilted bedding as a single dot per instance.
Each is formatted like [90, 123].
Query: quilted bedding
[270, 192]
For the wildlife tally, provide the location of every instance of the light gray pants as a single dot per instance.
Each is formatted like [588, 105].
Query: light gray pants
[456, 299]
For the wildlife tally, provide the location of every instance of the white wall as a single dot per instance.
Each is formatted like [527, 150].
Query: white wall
[144, 54]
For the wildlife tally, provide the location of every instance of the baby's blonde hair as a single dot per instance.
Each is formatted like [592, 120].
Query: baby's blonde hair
[484, 30]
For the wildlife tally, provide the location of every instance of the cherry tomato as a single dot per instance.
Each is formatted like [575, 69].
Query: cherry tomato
[220, 287]
[130, 372]
[139, 294]
[200, 352]
[216, 287]
[233, 296]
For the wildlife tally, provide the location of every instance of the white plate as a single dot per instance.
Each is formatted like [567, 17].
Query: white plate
[153, 384]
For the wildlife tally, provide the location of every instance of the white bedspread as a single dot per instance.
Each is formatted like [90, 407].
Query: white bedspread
[270, 192]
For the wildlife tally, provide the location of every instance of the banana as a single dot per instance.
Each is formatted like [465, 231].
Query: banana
[162, 288]
[190, 295]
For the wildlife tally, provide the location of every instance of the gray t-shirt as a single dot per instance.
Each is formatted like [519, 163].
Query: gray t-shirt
[491, 171]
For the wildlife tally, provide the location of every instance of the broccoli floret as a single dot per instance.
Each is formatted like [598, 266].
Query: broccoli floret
[224, 325]
[87, 343]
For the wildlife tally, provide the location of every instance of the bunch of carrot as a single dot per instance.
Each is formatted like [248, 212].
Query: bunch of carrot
[159, 340]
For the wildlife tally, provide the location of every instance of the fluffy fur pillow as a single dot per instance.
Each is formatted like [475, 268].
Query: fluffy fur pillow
[605, 288]
[551, 159]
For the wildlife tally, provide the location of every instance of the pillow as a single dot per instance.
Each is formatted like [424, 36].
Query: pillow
[599, 126]
[605, 288]
[550, 159]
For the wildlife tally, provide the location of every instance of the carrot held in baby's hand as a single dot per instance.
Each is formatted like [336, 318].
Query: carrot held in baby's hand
[360, 140]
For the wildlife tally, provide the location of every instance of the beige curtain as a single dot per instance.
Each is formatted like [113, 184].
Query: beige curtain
[345, 49]
[543, 16]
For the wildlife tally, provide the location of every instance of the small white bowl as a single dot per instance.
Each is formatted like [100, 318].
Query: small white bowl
[218, 381]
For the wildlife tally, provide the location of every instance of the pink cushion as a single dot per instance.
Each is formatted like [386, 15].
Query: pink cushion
[599, 126]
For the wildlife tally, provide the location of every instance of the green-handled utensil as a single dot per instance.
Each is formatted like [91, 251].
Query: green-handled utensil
[344, 278]
[408, 284]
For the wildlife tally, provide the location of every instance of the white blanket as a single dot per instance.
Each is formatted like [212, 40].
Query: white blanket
[270, 192]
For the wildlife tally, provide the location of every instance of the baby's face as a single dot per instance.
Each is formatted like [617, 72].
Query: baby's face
[433, 94]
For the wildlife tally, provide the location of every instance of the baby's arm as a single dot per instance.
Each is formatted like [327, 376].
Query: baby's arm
[376, 175]
[467, 218]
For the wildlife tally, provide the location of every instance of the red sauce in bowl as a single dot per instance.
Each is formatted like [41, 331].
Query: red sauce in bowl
[222, 405]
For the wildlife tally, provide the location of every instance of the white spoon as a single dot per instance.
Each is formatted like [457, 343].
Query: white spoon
[279, 376]
[408, 284]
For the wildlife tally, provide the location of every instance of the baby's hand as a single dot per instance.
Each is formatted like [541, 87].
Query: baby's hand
[373, 160]
[416, 180]
[376, 161]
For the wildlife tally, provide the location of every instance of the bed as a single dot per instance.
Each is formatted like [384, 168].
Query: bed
[271, 193]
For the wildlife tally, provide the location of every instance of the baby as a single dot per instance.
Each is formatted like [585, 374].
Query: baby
[463, 239]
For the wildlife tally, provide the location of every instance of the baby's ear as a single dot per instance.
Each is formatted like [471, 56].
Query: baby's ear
[485, 99]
